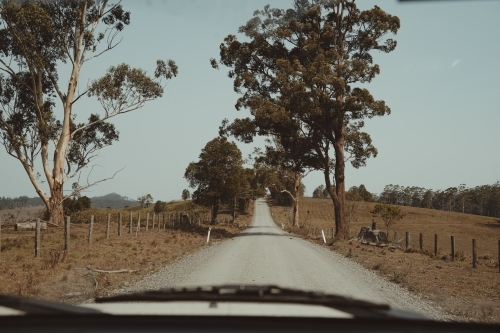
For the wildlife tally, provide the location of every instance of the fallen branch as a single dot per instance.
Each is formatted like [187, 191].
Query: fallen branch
[112, 272]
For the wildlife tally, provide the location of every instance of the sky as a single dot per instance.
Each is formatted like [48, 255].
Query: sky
[441, 84]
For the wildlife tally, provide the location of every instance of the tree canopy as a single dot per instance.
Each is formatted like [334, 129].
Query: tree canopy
[299, 75]
[185, 194]
[37, 118]
[389, 214]
[218, 176]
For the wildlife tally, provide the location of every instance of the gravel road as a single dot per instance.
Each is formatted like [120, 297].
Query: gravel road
[265, 254]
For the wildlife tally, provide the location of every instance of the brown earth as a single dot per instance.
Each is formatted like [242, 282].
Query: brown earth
[471, 294]
[73, 276]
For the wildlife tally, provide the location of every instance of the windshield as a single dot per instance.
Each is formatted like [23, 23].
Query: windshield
[349, 148]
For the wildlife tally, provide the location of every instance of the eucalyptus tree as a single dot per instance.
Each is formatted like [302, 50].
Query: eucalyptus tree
[37, 118]
[300, 70]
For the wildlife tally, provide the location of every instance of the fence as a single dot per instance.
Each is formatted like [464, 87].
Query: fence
[452, 247]
[135, 225]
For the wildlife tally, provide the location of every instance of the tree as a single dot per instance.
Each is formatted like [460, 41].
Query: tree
[39, 37]
[160, 206]
[318, 191]
[76, 204]
[185, 194]
[360, 193]
[218, 175]
[321, 192]
[283, 171]
[296, 75]
[145, 200]
[389, 214]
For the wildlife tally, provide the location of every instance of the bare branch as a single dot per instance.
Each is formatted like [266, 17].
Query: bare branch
[81, 188]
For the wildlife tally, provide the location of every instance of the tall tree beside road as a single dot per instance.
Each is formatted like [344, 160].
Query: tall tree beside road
[218, 176]
[37, 38]
[297, 75]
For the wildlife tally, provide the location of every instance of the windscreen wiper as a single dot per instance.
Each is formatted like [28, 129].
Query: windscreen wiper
[262, 294]
[35, 306]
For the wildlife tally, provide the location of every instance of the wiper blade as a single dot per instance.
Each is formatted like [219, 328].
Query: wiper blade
[35, 306]
[252, 293]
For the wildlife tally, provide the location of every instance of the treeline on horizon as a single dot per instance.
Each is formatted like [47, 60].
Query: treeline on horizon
[480, 200]
[112, 200]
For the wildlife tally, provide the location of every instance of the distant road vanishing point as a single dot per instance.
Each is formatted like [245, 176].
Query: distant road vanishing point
[265, 254]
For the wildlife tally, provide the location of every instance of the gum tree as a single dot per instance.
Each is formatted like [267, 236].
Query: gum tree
[37, 120]
[300, 71]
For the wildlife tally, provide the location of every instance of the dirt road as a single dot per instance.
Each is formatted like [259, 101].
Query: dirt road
[265, 254]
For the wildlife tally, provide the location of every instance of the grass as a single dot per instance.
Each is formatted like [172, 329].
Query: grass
[69, 276]
[468, 293]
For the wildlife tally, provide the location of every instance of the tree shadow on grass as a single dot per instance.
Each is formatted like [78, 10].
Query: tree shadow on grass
[492, 225]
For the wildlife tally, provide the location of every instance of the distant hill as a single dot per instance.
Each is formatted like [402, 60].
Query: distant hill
[112, 200]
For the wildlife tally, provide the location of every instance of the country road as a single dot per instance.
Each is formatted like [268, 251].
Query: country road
[265, 254]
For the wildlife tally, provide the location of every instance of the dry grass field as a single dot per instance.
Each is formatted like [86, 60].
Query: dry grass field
[468, 293]
[73, 276]
[20, 214]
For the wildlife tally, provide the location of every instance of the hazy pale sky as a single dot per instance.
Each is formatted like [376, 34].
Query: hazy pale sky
[441, 83]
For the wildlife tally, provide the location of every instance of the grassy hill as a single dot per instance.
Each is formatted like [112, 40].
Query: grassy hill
[464, 227]
[466, 292]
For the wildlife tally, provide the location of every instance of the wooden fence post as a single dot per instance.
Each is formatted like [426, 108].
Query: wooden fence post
[130, 224]
[147, 221]
[421, 241]
[1, 238]
[164, 226]
[37, 239]
[435, 245]
[474, 254]
[154, 215]
[66, 233]
[107, 226]
[138, 224]
[499, 256]
[120, 224]
[407, 236]
[452, 248]
[91, 226]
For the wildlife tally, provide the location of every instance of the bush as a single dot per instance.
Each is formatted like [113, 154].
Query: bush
[160, 206]
[73, 205]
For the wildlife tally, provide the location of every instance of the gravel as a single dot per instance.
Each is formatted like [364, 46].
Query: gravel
[265, 254]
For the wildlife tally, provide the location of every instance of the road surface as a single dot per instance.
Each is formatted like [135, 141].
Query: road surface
[265, 254]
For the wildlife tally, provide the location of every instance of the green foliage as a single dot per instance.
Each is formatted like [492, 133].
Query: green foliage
[218, 176]
[321, 192]
[389, 214]
[298, 72]
[6, 202]
[243, 204]
[160, 206]
[186, 194]
[360, 193]
[479, 200]
[145, 200]
[36, 113]
[73, 205]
